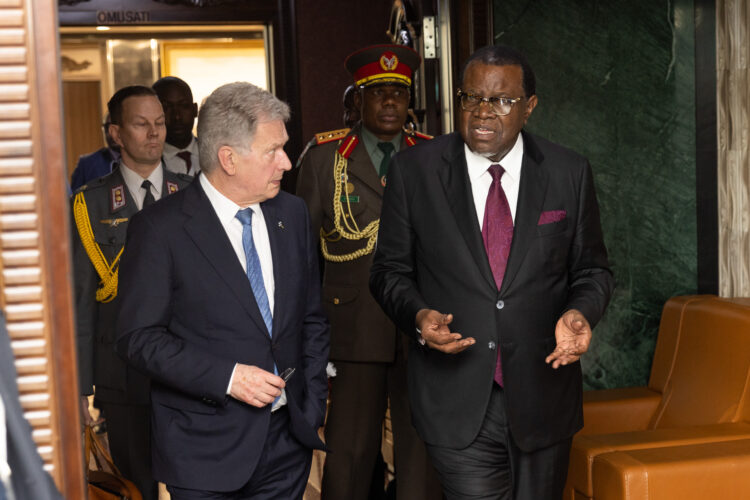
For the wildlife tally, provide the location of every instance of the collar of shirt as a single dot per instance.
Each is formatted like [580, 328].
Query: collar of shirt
[171, 151]
[480, 178]
[133, 181]
[225, 208]
[371, 146]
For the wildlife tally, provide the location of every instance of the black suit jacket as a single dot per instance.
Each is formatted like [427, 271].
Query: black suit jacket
[188, 314]
[431, 255]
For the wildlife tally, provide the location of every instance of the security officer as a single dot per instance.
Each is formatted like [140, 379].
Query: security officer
[101, 210]
[181, 146]
[342, 180]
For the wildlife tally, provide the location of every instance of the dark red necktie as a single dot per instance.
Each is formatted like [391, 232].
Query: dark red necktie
[185, 155]
[497, 233]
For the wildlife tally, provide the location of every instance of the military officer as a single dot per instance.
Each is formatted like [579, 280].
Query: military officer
[101, 210]
[342, 179]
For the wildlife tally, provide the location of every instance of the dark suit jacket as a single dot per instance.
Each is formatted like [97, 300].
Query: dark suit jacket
[28, 477]
[98, 363]
[430, 255]
[188, 315]
[360, 331]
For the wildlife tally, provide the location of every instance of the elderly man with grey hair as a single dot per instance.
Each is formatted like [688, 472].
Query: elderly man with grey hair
[221, 307]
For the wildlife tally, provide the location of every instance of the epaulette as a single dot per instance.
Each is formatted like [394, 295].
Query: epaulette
[185, 177]
[411, 138]
[348, 146]
[93, 183]
[333, 135]
[426, 137]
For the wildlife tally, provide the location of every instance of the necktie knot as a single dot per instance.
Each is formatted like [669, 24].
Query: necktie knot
[185, 155]
[386, 147]
[245, 216]
[496, 171]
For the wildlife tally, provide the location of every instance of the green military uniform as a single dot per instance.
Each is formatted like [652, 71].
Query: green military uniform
[101, 210]
[344, 192]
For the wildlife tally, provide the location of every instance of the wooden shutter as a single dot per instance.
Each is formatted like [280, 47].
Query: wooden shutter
[35, 288]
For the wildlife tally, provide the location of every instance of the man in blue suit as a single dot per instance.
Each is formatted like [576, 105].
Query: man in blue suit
[220, 293]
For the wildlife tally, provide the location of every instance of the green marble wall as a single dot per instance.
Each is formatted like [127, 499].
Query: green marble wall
[615, 81]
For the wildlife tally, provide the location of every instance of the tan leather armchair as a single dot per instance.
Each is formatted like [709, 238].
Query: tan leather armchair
[688, 431]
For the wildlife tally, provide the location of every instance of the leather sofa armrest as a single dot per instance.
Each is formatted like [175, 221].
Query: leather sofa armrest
[618, 410]
[691, 472]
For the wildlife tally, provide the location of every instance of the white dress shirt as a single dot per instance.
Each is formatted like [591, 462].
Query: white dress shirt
[133, 181]
[226, 210]
[176, 164]
[481, 179]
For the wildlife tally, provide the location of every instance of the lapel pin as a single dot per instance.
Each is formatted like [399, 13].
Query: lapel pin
[281, 225]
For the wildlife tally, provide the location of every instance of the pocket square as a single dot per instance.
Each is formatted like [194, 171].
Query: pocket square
[551, 216]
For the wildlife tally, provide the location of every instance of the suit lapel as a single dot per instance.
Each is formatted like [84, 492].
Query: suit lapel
[455, 178]
[531, 193]
[205, 229]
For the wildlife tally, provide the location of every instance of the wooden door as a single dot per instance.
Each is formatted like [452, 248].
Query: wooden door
[83, 113]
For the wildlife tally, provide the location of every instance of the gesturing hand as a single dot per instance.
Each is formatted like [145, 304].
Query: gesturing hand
[255, 386]
[437, 335]
[573, 335]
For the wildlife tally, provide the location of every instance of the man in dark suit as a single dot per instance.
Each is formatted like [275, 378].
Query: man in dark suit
[220, 293]
[101, 211]
[491, 258]
[342, 180]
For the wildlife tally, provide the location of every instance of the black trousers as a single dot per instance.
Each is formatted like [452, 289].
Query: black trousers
[282, 470]
[359, 397]
[494, 468]
[129, 434]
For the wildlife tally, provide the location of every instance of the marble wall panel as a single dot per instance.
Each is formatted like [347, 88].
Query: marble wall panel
[733, 103]
[615, 82]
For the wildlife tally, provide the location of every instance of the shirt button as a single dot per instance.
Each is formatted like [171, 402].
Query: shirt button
[492, 346]
[500, 304]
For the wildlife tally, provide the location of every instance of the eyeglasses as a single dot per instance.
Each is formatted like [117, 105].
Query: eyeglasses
[501, 106]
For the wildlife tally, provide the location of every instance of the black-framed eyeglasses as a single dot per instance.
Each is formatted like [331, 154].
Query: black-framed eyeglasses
[501, 106]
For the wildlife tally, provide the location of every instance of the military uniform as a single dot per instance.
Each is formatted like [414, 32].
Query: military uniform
[344, 193]
[101, 210]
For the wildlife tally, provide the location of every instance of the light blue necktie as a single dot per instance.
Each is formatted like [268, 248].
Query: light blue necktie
[254, 272]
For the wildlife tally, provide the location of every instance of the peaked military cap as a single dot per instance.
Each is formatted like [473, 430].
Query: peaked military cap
[383, 64]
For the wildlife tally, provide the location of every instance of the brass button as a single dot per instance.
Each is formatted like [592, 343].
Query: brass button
[336, 300]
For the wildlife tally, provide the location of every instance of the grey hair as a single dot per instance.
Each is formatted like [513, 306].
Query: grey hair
[230, 116]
